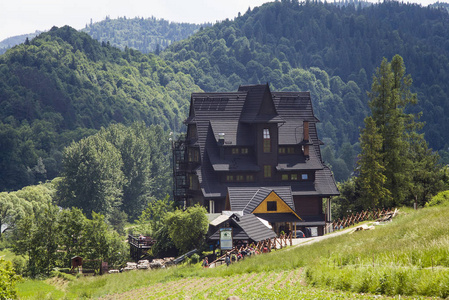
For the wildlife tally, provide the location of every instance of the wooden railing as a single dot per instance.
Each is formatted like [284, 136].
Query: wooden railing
[261, 247]
[362, 216]
[141, 241]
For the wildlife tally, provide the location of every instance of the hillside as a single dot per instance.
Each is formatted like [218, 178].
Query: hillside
[146, 35]
[16, 40]
[407, 257]
[63, 85]
[273, 42]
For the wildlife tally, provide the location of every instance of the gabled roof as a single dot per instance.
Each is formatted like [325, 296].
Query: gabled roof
[233, 114]
[295, 108]
[247, 227]
[248, 198]
[259, 106]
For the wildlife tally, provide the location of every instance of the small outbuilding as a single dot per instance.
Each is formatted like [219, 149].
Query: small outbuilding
[246, 229]
[77, 262]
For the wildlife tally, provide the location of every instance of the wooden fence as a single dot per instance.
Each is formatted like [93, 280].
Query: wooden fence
[363, 216]
[261, 247]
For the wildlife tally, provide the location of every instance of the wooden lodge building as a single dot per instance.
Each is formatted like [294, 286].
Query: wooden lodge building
[255, 152]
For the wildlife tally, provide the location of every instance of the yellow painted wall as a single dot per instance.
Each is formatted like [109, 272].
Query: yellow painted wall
[282, 207]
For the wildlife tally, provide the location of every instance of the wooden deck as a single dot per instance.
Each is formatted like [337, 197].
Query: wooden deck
[139, 245]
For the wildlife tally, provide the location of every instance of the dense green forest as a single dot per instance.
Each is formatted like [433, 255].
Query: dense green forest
[146, 35]
[277, 41]
[63, 85]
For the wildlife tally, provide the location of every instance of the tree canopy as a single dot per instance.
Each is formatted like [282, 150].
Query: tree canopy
[187, 229]
[119, 167]
[394, 160]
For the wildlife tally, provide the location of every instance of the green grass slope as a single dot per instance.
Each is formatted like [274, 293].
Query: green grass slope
[409, 256]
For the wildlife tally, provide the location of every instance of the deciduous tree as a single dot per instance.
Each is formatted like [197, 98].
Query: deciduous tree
[187, 229]
[93, 179]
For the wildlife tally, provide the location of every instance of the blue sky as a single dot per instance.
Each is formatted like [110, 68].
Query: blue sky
[26, 16]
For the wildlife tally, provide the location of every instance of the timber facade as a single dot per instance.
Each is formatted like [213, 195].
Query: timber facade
[255, 152]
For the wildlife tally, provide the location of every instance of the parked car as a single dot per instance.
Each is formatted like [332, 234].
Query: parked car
[299, 234]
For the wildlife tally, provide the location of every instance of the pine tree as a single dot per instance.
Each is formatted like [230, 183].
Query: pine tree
[391, 145]
[371, 179]
[389, 96]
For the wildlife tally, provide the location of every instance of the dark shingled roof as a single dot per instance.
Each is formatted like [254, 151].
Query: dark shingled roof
[246, 198]
[247, 227]
[292, 163]
[232, 114]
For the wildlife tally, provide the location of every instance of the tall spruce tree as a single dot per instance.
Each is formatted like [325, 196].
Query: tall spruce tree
[399, 143]
[371, 179]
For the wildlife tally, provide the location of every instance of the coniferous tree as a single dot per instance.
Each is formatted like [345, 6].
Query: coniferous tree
[395, 147]
[371, 180]
[390, 94]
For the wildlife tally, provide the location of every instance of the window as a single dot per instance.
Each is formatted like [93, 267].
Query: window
[211, 206]
[194, 155]
[244, 151]
[272, 206]
[249, 178]
[235, 150]
[190, 155]
[304, 176]
[266, 140]
[281, 150]
[294, 177]
[267, 171]
[229, 177]
[240, 177]
[284, 176]
[191, 181]
[290, 150]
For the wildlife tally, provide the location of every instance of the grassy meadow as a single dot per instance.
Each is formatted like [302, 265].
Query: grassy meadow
[406, 257]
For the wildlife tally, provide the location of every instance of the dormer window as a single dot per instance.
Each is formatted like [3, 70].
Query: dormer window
[272, 206]
[266, 140]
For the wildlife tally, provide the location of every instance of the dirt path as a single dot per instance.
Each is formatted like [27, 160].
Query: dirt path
[311, 240]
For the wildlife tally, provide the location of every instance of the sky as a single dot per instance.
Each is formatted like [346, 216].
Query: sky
[26, 16]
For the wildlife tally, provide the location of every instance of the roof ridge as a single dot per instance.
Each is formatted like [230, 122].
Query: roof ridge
[250, 200]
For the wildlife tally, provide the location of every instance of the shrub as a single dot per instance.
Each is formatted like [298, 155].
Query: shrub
[440, 199]
[19, 265]
[195, 258]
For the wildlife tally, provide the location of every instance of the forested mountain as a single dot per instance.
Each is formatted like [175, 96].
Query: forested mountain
[63, 85]
[146, 35]
[15, 40]
[335, 44]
